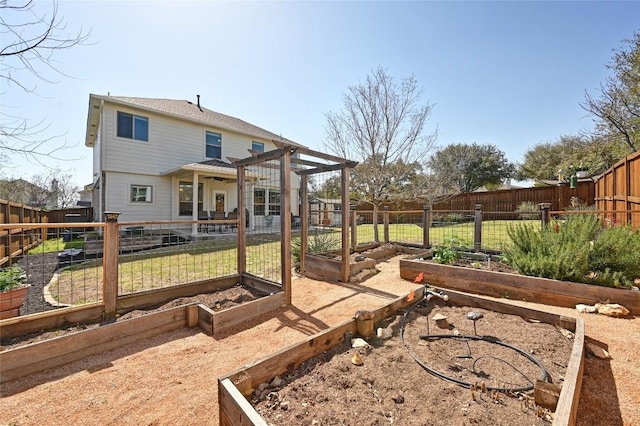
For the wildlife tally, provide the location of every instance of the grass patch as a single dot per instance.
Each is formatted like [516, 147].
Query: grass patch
[56, 245]
[176, 265]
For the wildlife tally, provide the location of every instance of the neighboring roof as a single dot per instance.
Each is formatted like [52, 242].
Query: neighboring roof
[327, 200]
[184, 110]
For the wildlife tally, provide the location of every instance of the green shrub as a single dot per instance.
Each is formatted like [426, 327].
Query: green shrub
[11, 278]
[528, 210]
[318, 242]
[578, 249]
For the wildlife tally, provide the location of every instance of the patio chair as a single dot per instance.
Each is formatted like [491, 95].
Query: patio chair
[203, 215]
[218, 216]
[233, 216]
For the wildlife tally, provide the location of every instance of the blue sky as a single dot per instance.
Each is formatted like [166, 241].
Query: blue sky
[507, 73]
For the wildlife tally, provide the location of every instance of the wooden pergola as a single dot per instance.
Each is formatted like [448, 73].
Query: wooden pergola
[290, 161]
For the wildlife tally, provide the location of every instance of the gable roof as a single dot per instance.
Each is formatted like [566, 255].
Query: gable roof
[180, 109]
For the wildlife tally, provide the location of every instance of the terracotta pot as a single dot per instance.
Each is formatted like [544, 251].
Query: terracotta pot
[11, 301]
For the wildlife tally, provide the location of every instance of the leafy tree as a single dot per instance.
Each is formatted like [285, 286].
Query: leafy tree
[548, 160]
[465, 168]
[31, 36]
[616, 106]
[382, 126]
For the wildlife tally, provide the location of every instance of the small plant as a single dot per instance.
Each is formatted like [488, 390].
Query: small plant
[446, 254]
[476, 265]
[11, 278]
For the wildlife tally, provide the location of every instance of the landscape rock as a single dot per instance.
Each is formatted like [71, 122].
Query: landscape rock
[612, 309]
[359, 343]
[597, 351]
[586, 308]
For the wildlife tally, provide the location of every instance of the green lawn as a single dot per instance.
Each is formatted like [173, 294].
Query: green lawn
[55, 245]
[203, 260]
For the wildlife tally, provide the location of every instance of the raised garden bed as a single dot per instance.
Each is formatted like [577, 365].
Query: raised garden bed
[517, 287]
[62, 346]
[364, 398]
[327, 266]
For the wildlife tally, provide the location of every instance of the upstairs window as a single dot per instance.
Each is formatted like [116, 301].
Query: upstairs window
[213, 146]
[141, 193]
[257, 146]
[132, 126]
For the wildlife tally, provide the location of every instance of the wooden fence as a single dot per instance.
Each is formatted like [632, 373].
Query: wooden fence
[16, 241]
[506, 200]
[618, 190]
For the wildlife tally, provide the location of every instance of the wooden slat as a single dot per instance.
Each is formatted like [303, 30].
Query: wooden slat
[261, 284]
[285, 226]
[234, 409]
[223, 320]
[22, 325]
[475, 301]
[567, 409]
[500, 284]
[205, 319]
[157, 296]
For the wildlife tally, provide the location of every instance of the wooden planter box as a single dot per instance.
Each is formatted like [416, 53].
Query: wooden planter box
[11, 301]
[518, 287]
[235, 409]
[32, 358]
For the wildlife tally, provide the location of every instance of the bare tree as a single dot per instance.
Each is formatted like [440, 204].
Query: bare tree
[617, 105]
[382, 125]
[29, 39]
[50, 189]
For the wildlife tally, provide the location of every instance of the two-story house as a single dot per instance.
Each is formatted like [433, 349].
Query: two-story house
[155, 159]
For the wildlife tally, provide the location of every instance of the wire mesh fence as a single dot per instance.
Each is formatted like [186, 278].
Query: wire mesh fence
[406, 227]
[263, 199]
[48, 262]
[159, 255]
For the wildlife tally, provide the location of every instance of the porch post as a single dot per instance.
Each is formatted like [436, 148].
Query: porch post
[194, 204]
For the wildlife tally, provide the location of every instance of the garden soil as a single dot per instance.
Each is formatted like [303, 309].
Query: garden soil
[172, 378]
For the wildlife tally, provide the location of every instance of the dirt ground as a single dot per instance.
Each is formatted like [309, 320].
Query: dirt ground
[172, 378]
[391, 387]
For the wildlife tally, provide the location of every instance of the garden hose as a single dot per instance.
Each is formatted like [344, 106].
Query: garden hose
[544, 375]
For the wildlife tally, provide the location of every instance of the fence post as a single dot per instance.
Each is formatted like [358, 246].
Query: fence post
[385, 221]
[110, 263]
[354, 228]
[545, 213]
[426, 223]
[477, 234]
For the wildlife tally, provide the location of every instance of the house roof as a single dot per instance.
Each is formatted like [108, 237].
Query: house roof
[210, 168]
[180, 109]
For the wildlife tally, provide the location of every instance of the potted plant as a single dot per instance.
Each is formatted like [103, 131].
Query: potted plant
[13, 291]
